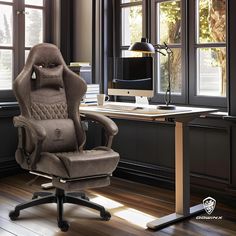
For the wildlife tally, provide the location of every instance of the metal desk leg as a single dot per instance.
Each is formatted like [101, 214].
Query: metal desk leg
[182, 186]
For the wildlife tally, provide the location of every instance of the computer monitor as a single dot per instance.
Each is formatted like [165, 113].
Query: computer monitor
[133, 77]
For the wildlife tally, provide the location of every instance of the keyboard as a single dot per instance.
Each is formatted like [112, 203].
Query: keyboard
[134, 109]
[119, 107]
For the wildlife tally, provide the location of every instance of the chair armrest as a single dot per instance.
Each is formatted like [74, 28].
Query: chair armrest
[37, 130]
[109, 125]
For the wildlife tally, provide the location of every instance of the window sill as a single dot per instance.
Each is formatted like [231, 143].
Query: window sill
[218, 114]
[230, 118]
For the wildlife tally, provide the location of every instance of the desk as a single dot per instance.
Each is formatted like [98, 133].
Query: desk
[181, 116]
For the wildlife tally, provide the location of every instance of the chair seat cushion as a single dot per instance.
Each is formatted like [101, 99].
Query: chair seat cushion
[100, 161]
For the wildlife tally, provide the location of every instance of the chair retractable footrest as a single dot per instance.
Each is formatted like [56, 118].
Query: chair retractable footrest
[63, 181]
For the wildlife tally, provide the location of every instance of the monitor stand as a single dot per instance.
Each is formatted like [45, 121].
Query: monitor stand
[139, 101]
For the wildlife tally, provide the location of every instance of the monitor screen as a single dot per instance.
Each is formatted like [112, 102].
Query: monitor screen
[133, 77]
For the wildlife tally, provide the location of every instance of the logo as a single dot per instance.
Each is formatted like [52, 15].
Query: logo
[209, 204]
[57, 133]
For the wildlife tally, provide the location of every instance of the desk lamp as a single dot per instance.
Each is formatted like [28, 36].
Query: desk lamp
[145, 47]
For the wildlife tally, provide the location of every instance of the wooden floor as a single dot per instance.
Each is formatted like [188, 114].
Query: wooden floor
[130, 204]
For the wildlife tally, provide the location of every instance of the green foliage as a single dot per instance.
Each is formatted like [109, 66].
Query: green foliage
[212, 21]
[170, 22]
[135, 20]
[170, 32]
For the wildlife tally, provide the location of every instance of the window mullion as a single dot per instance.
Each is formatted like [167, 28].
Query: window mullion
[131, 4]
[20, 35]
[209, 45]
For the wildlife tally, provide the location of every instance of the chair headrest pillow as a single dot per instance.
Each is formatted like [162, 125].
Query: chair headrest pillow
[49, 76]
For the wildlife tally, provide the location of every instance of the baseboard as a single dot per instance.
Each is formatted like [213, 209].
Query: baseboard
[8, 168]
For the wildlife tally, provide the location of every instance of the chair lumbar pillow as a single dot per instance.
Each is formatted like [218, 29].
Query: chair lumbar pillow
[51, 136]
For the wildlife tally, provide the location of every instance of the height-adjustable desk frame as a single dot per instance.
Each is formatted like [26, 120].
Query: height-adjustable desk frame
[181, 116]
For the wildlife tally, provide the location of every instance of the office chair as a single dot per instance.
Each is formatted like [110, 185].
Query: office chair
[51, 136]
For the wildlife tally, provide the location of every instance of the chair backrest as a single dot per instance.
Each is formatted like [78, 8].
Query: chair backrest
[47, 90]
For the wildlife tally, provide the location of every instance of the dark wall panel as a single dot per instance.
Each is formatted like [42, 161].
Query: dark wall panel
[151, 144]
[8, 140]
[124, 142]
[146, 142]
[196, 144]
[209, 151]
[233, 157]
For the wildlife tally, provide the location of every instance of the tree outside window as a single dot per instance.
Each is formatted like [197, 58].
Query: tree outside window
[131, 25]
[211, 52]
[169, 31]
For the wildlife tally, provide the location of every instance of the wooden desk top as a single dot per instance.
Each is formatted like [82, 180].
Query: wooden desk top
[148, 112]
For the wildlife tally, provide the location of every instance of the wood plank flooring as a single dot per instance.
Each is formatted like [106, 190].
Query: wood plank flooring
[131, 204]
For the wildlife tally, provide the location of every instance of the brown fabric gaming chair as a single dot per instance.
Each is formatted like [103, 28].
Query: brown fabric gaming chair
[51, 136]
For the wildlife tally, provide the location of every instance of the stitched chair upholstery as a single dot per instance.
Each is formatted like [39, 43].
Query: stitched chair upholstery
[51, 136]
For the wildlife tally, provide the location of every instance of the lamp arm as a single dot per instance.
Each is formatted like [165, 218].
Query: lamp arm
[168, 90]
[169, 52]
[159, 47]
[156, 50]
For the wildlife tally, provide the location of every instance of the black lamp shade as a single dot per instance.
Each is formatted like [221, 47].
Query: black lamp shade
[143, 47]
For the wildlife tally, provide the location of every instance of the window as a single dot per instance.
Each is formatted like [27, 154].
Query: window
[195, 30]
[6, 44]
[131, 25]
[22, 25]
[169, 30]
[34, 24]
[208, 47]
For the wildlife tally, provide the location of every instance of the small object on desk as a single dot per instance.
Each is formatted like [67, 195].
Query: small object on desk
[83, 69]
[147, 47]
[91, 94]
[166, 107]
[102, 98]
[93, 103]
[118, 107]
[80, 64]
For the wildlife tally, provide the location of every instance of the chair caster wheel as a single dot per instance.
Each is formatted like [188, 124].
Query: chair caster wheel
[14, 215]
[63, 225]
[105, 215]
